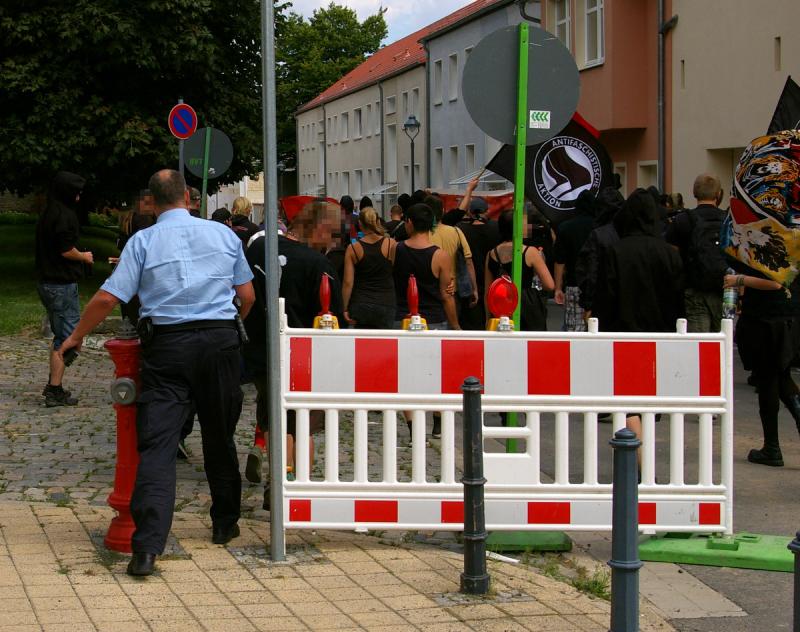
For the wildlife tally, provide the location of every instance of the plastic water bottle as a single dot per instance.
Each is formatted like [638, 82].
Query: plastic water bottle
[536, 283]
[730, 296]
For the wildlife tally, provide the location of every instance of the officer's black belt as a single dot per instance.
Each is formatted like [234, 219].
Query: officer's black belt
[194, 325]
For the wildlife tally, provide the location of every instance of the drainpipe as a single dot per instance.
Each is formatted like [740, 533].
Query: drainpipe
[383, 136]
[428, 113]
[324, 151]
[663, 29]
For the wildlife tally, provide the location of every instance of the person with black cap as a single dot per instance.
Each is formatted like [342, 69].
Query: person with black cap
[59, 267]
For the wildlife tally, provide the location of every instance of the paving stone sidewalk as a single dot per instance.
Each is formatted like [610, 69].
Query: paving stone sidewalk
[57, 469]
[56, 577]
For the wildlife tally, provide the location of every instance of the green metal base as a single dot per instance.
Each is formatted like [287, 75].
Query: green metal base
[509, 541]
[744, 550]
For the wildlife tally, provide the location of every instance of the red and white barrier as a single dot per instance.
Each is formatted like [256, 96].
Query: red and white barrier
[558, 380]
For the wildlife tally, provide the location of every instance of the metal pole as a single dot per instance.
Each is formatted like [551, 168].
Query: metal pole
[412, 165]
[794, 547]
[474, 579]
[662, 150]
[206, 151]
[180, 149]
[277, 543]
[625, 563]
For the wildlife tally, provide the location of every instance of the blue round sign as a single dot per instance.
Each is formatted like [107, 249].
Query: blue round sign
[182, 121]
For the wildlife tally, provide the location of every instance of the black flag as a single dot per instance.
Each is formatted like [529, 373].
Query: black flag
[559, 169]
[787, 112]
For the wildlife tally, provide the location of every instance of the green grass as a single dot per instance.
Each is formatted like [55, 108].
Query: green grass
[20, 309]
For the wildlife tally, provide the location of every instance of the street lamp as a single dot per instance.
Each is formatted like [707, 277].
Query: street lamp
[411, 129]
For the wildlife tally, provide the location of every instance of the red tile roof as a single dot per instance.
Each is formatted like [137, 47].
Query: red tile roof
[395, 57]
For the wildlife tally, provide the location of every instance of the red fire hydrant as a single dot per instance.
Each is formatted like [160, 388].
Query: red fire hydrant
[125, 351]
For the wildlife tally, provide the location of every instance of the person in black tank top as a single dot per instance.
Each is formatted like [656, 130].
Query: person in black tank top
[431, 268]
[368, 285]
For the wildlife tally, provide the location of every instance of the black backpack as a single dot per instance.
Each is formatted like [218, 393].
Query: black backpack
[705, 261]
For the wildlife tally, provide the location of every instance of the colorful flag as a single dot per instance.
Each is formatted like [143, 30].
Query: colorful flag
[787, 112]
[560, 169]
[762, 229]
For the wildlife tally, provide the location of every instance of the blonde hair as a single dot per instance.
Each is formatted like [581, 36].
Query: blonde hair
[369, 221]
[242, 206]
[125, 221]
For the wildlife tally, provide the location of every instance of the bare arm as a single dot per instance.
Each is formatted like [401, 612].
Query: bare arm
[488, 279]
[441, 268]
[247, 297]
[347, 281]
[534, 259]
[559, 283]
[755, 283]
[99, 306]
[464, 204]
[76, 255]
[473, 300]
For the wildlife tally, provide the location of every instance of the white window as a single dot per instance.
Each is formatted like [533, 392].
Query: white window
[405, 106]
[562, 21]
[406, 183]
[469, 159]
[438, 86]
[595, 46]
[391, 105]
[647, 174]
[378, 118]
[370, 182]
[452, 167]
[368, 121]
[452, 77]
[345, 126]
[414, 105]
[378, 176]
[335, 129]
[328, 132]
[621, 169]
[346, 183]
[438, 167]
[391, 153]
[357, 123]
[358, 185]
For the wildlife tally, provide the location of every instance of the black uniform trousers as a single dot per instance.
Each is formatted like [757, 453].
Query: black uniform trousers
[178, 369]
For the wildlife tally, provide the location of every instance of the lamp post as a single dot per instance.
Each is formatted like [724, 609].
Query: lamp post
[411, 129]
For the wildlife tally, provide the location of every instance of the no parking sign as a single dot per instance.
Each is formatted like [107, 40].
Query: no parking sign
[182, 121]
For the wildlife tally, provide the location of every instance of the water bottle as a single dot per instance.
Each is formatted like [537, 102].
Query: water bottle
[536, 284]
[730, 295]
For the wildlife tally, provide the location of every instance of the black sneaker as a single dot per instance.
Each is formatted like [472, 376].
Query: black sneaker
[48, 387]
[766, 456]
[59, 397]
[436, 431]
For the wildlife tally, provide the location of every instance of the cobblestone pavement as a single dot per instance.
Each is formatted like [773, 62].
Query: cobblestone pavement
[57, 469]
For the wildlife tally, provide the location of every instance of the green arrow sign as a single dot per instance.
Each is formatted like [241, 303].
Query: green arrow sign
[539, 119]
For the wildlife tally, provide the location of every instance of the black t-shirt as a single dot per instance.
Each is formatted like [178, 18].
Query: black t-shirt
[57, 233]
[301, 273]
[571, 236]
[481, 239]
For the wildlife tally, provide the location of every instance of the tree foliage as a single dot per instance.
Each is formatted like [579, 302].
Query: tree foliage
[315, 53]
[86, 85]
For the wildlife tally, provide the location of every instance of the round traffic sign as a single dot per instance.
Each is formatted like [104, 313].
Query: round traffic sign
[490, 82]
[220, 152]
[182, 121]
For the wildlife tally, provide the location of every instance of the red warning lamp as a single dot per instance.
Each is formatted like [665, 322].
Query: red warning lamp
[413, 322]
[325, 320]
[502, 298]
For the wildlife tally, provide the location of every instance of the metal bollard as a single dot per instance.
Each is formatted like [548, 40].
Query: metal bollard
[794, 547]
[625, 563]
[474, 579]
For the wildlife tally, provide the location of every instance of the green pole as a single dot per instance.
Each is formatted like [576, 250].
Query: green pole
[206, 150]
[519, 189]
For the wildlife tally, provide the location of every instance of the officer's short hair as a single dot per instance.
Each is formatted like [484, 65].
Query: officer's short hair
[706, 187]
[167, 187]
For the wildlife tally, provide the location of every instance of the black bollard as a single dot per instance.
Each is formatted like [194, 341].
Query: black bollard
[625, 563]
[474, 579]
[794, 547]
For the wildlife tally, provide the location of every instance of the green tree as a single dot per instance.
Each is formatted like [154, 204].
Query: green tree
[312, 55]
[87, 85]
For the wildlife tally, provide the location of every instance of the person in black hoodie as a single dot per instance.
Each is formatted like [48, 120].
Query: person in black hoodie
[59, 267]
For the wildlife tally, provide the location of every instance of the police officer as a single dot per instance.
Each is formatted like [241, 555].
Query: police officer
[186, 272]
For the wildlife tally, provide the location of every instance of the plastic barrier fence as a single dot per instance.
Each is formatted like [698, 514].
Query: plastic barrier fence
[557, 383]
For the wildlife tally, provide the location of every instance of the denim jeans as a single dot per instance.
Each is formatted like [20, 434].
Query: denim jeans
[63, 309]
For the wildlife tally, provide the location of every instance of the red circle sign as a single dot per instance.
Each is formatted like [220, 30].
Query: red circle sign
[182, 121]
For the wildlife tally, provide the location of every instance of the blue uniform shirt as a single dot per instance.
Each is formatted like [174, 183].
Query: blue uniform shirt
[183, 269]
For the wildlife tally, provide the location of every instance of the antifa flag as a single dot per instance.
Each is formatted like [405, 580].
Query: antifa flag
[787, 112]
[560, 169]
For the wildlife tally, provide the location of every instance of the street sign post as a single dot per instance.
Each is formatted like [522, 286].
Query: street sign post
[182, 122]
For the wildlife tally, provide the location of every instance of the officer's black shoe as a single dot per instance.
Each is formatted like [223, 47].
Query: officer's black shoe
[766, 456]
[141, 564]
[223, 535]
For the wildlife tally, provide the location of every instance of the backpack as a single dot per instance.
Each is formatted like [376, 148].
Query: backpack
[705, 261]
